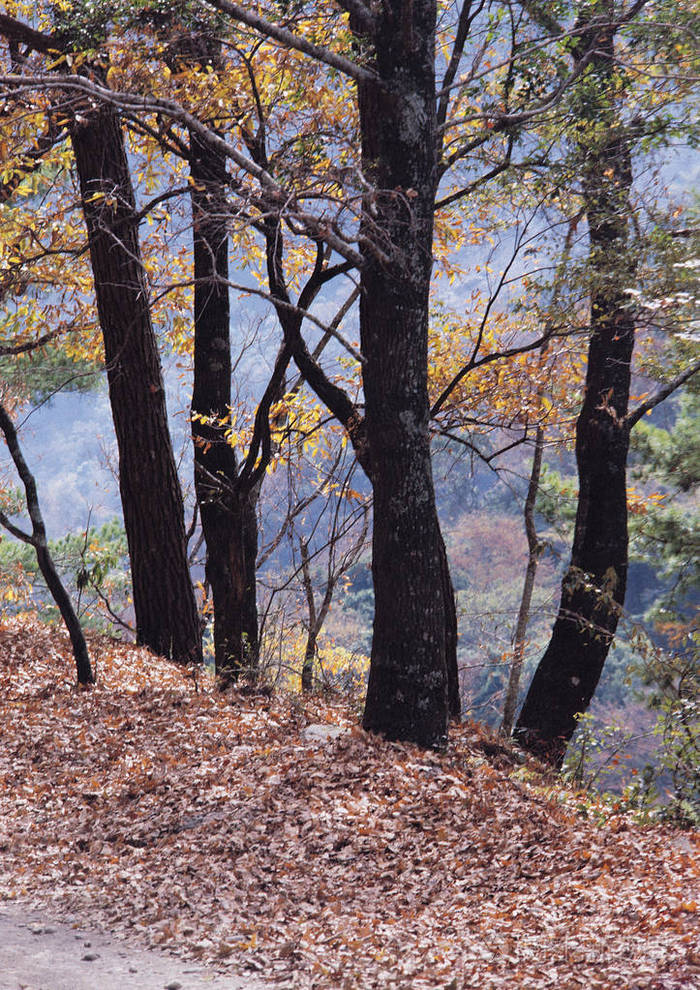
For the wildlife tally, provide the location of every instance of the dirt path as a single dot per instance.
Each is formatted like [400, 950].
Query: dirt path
[38, 955]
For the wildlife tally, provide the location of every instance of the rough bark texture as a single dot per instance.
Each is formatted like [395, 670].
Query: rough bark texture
[407, 696]
[228, 514]
[164, 603]
[593, 589]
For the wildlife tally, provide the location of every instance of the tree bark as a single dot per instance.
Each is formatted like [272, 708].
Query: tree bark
[593, 589]
[454, 694]
[164, 603]
[407, 696]
[44, 559]
[228, 514]
[534, 548]
[307, 670]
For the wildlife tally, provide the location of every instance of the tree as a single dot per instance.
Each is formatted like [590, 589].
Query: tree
[593, 588]
[375, 216]
[166, 611]
[535, 548]
[392, 190]
[227, 506]
[37, 539]
[164, 603]
[666, 536]
[341, 546]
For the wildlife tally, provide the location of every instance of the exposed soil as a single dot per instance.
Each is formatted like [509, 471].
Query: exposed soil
[40, 955]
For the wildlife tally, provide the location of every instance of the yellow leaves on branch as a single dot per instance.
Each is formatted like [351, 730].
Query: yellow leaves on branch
[44, 270]
[640, 503]
[528, 388]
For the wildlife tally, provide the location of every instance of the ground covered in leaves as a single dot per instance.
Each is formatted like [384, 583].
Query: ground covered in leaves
[209, 825]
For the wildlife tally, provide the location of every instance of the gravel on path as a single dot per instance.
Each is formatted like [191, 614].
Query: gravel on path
[38, 955]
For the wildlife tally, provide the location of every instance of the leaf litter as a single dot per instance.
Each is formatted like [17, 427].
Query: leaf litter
[206, 824]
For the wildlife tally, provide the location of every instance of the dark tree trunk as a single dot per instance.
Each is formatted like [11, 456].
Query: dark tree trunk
[407, 696]
[454, 696]
[228, 514]
[68, 614]
[164, 603]
[534, 549]
[307, 670]
[44, 559]
[593, 590]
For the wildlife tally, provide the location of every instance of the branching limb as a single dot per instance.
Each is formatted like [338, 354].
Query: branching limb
[32, 345]
[663, 393]
[261, 444]
[290, 40]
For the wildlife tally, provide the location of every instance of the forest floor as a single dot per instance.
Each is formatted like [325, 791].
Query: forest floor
[216, 828]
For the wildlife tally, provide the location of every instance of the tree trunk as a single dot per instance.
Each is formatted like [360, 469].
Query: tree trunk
[68, 614]
[164, 603]
[44, 559]
[228, 515]
[407, 696]
[307, 670]
[593, 590]
[534, 549]
[454, 696]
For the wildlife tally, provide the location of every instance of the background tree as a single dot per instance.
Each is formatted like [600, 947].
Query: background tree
[228, 509]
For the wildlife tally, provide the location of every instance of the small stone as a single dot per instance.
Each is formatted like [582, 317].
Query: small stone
[91, 956]
[322, 733]
[175, 985]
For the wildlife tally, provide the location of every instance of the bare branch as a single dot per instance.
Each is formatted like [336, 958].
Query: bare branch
[486, 177]
[663, 393]
[16, 30]
[32, 345]
[19, 533]
[465, 20]
[291, 40]
[251, 471]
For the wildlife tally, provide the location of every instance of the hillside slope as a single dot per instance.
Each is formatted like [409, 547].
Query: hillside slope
[212, 826]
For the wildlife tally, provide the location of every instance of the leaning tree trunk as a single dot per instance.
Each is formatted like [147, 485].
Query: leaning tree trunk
[228, 514]
[38, 540]
[407, 696]
[164, 603]
[593, 589]
[534, 549]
